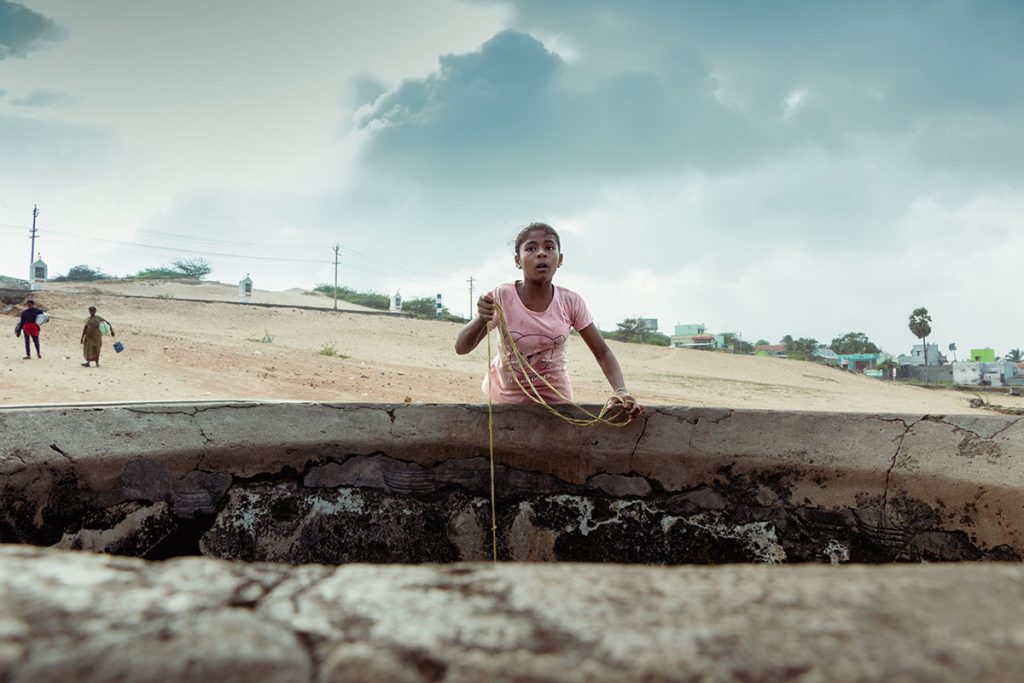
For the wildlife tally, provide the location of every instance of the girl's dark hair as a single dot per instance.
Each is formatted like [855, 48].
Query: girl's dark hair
[547, 229]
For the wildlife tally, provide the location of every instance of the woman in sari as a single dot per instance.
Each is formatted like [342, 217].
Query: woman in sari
[92, 337]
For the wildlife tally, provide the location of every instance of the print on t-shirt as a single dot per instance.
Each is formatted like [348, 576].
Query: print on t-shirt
[539, 350]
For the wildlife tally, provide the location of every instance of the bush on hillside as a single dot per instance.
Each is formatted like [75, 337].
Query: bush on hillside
[368, 299]
[82, 273]
[193, 267]
[426, 307]
[633, 330]
[161, 273]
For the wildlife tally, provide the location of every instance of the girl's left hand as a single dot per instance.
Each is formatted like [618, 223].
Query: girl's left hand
[623, 398]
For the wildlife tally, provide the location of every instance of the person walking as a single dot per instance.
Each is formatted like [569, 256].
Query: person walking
[30, 327]
[92, 337]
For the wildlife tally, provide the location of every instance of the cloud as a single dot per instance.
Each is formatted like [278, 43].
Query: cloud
[794, 102]
[365, 90]
[23, 30]
[45, 99]
[514, 112]
[661, 86]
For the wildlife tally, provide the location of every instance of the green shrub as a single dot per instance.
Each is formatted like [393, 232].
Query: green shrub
[368, 299]
[82, 273]
[426, 308]
[193, 267]
[633, 330]
[162, 273]
[330, 350]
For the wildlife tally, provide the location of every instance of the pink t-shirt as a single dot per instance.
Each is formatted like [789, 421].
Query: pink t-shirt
[541, 337]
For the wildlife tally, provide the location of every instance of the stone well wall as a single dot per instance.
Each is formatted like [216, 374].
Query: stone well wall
[91, 618]
[336, 483]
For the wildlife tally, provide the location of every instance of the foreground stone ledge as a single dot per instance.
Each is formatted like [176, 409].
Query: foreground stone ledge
[370, 482]
[86, 617]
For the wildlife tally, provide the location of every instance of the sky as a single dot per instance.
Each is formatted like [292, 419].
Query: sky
[766, 168]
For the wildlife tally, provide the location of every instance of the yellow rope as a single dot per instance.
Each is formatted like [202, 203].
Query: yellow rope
[490, 444]
[613, 419]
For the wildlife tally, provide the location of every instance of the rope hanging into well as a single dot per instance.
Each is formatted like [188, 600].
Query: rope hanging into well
[606, 416]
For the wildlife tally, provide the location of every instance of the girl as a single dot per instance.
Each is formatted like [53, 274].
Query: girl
[539, 315]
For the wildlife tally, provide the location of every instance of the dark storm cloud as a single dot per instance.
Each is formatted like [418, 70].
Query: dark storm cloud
[22, 30]
[942, 74]
[512, 111]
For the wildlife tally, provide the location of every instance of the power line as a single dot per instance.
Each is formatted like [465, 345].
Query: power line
[352, 266]
[395, 265]
[187, 251]
[213, 241]
[186, 238]
[430, 279]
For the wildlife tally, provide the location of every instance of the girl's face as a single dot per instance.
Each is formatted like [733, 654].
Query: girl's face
[539, 256]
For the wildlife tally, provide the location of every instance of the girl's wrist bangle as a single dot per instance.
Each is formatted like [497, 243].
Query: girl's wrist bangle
[621, 389]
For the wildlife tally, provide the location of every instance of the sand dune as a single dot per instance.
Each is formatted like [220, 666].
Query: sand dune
[178, 349]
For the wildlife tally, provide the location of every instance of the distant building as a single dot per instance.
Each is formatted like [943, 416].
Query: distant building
[693, 337]
[826, 355]
[995, 373]
[916, 356]
[688, 330]
[859, 362]
[776, 350]
[983, 356]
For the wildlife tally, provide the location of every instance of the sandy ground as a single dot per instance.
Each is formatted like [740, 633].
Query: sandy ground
[177, 349]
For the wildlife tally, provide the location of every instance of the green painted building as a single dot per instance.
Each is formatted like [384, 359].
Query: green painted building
[983, 356]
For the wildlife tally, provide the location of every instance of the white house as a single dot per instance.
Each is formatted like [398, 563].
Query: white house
[991, 374]
[916, 356]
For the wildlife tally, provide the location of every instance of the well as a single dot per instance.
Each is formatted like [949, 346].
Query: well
[336, 484]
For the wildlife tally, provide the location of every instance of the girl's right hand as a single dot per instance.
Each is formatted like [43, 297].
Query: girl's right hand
[485, 308]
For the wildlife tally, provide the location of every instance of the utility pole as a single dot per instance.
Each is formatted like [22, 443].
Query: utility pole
[470, 281]
[32, 251]
[337, 249]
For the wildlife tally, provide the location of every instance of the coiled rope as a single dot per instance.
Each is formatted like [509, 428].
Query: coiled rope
[612, 414]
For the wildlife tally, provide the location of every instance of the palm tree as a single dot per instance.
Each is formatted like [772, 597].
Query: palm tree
[1015, 356]
[920, 325]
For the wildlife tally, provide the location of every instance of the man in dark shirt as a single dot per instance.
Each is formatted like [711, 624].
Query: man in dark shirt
[30, 328]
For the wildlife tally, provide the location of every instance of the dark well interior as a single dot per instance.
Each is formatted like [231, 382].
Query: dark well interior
[338, 483]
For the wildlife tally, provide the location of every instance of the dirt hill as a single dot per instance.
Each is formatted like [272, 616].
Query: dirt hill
[192, 341]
